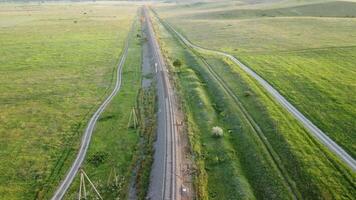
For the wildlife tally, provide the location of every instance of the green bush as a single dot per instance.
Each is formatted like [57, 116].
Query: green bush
[177, 63]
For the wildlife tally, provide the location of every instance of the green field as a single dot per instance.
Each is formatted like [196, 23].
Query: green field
[58, 62]
[329, 9]
[56, 66]
[310, 60]
[277, 162]
[111, 155]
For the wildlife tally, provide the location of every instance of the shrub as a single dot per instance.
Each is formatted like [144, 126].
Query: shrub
[217, 131]
[98, 158]
[177, 63]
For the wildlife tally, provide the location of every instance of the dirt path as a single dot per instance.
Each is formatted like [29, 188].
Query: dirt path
[62, 189]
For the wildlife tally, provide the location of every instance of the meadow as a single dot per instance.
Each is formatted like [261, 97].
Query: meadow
[57, 63]
[307, 56]
[277, 162]
[114, 146]
[319, 9]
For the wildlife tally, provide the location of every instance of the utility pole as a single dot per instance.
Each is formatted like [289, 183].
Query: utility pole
[82, 188]
[133, 118]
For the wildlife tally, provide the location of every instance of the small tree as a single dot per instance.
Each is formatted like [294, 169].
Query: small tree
[217, 131]
[177, 63]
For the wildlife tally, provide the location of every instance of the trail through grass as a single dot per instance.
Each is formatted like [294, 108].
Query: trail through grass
[57, 64]
[113, 149]
[310, 60]
[314, 171]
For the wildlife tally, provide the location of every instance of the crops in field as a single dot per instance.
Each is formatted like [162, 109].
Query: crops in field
[57, 64]
[310, 60]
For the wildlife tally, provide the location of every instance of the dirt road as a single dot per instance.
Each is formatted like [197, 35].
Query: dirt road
[62, 189]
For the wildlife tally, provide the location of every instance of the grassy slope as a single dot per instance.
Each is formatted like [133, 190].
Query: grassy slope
[322, 91]
[315, 55]
[54, 73]
[316, 173]
[112, 137]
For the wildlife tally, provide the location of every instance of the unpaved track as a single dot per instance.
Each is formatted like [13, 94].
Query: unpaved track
[251, 122]
[313, 129]
[61, 190]
[166, 171]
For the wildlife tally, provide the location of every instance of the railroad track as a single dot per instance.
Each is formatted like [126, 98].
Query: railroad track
[171, 169]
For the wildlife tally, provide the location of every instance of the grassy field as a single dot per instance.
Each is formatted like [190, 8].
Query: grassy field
[277, 162]
[112, 152]
[328, 9]
[310, 60]
[57, 64]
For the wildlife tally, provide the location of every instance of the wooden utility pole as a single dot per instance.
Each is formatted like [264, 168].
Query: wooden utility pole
[82, 189]
[133, 118]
